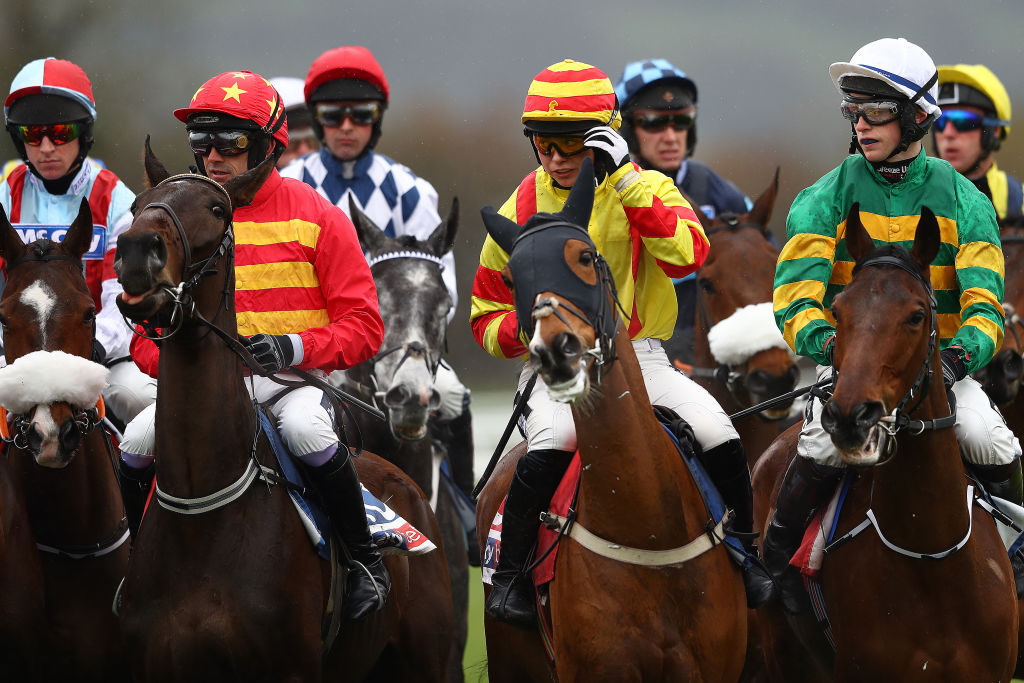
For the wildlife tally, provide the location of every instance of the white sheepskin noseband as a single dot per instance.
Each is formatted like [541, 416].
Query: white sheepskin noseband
[45, 377]
[749, 330]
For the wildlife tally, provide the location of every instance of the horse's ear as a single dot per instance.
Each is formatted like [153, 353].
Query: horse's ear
[442, 239]
[858, 241]
[762, 211]
[156, 172]
[502, 230]
[581, 198]
[243, 187]
[702, 217]
[371, 237]
[926, 240]
[12, 247]
[79, 236]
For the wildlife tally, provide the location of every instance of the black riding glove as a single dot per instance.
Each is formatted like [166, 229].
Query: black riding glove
[953, 369]
[99, 354]
[830, 349]
[610, 150]
[273, 351]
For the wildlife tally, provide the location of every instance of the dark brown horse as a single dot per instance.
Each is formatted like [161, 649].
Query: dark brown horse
[237, 593]
[59, 460]
[614, 619]
[895, 615]
[739, 353]
[399, 380]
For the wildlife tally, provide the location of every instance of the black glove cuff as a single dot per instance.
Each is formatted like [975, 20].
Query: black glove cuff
[952, 363]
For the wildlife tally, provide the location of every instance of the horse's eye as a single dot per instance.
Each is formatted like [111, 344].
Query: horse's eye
[3, 322]
[218, 211]
[587, 258]
[706, 285]
[89, 316]
[916, 318]
[133, 208]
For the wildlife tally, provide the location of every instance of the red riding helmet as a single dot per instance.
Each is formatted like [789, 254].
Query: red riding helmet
[242, 95]
[349, 72]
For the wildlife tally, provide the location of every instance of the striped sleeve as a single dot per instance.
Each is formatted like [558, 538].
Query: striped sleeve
[664, 221]
[801, 276]
[980, 274]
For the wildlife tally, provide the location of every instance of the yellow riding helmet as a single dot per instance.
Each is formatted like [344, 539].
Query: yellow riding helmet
[982, 79]
[570, 96]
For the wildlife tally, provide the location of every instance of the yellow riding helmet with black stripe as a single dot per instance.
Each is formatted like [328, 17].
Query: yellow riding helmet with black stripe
[974, 85]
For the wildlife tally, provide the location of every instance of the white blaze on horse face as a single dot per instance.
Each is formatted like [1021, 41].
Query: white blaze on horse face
[41, 297]
[49, 449]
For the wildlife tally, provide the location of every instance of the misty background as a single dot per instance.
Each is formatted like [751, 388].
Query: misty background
[459, 72]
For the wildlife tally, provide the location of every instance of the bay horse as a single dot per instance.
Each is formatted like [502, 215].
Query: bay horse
[399, 380]
[895, 612]
[612, 620]
[58, 464]
[740, 356]
[238, 593]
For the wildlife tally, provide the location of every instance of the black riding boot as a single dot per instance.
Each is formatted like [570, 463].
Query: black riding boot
[1006, 482]
[135, 486]
[537, 476]
[727, 466]
[368, 581]
[805, 488]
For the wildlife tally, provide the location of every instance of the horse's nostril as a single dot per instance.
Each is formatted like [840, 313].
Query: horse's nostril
[70, 436]
[396, 396]
[435, 400]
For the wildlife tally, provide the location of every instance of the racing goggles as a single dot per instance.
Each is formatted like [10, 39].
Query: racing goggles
[655, 123]
[59, 133]
[333, 115]
[875, 112]
[965, 121]
[228, 143]
[566, 145]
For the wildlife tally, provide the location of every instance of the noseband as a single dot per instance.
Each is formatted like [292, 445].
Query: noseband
[192, 274]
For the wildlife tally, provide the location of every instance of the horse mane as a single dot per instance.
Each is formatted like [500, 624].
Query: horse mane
[42, 247]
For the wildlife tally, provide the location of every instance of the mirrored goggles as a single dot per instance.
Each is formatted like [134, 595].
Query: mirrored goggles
[964, 121]
[654, 123]
[333, 115]
[875, 113]
[59, 133]
[228, 143]
[567, 145]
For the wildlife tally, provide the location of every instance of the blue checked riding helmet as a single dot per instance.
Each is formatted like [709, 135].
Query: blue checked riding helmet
[654, 84]
[896, 70]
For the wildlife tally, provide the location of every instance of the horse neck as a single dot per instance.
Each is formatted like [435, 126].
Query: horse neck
[204, 417]
[919, 494]
[75, 505]
[631, 470]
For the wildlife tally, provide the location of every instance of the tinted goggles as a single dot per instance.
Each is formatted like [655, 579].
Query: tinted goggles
[964, 121]
[59, 133]
[567, 145]
[653, 123]
[228, 143]
[875, 113]
[332, 115]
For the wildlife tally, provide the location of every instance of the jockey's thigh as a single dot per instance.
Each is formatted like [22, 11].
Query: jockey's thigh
[303, 414]
[140, 433]
[129, 390]
[667, 386]
[814, 442]
[549, 424]
[980, 429]
[454, 394]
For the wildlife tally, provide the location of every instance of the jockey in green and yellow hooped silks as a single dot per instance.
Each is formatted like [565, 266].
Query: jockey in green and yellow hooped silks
[889, 95]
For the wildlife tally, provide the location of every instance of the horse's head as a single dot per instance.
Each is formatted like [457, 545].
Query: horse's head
[181, 226]
[560, 285]
[886, 339]
[734, 309]
[414, 303]
[49, 321]
[1001, 378]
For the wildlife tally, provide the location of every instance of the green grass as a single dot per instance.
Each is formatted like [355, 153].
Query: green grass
[474, 658]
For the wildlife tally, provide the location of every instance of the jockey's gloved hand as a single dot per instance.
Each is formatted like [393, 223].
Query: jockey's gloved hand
[610, 150]
[275, 351]
[953, 368]
[99, 354]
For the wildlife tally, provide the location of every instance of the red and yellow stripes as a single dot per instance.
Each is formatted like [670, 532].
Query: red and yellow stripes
[570, 91]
